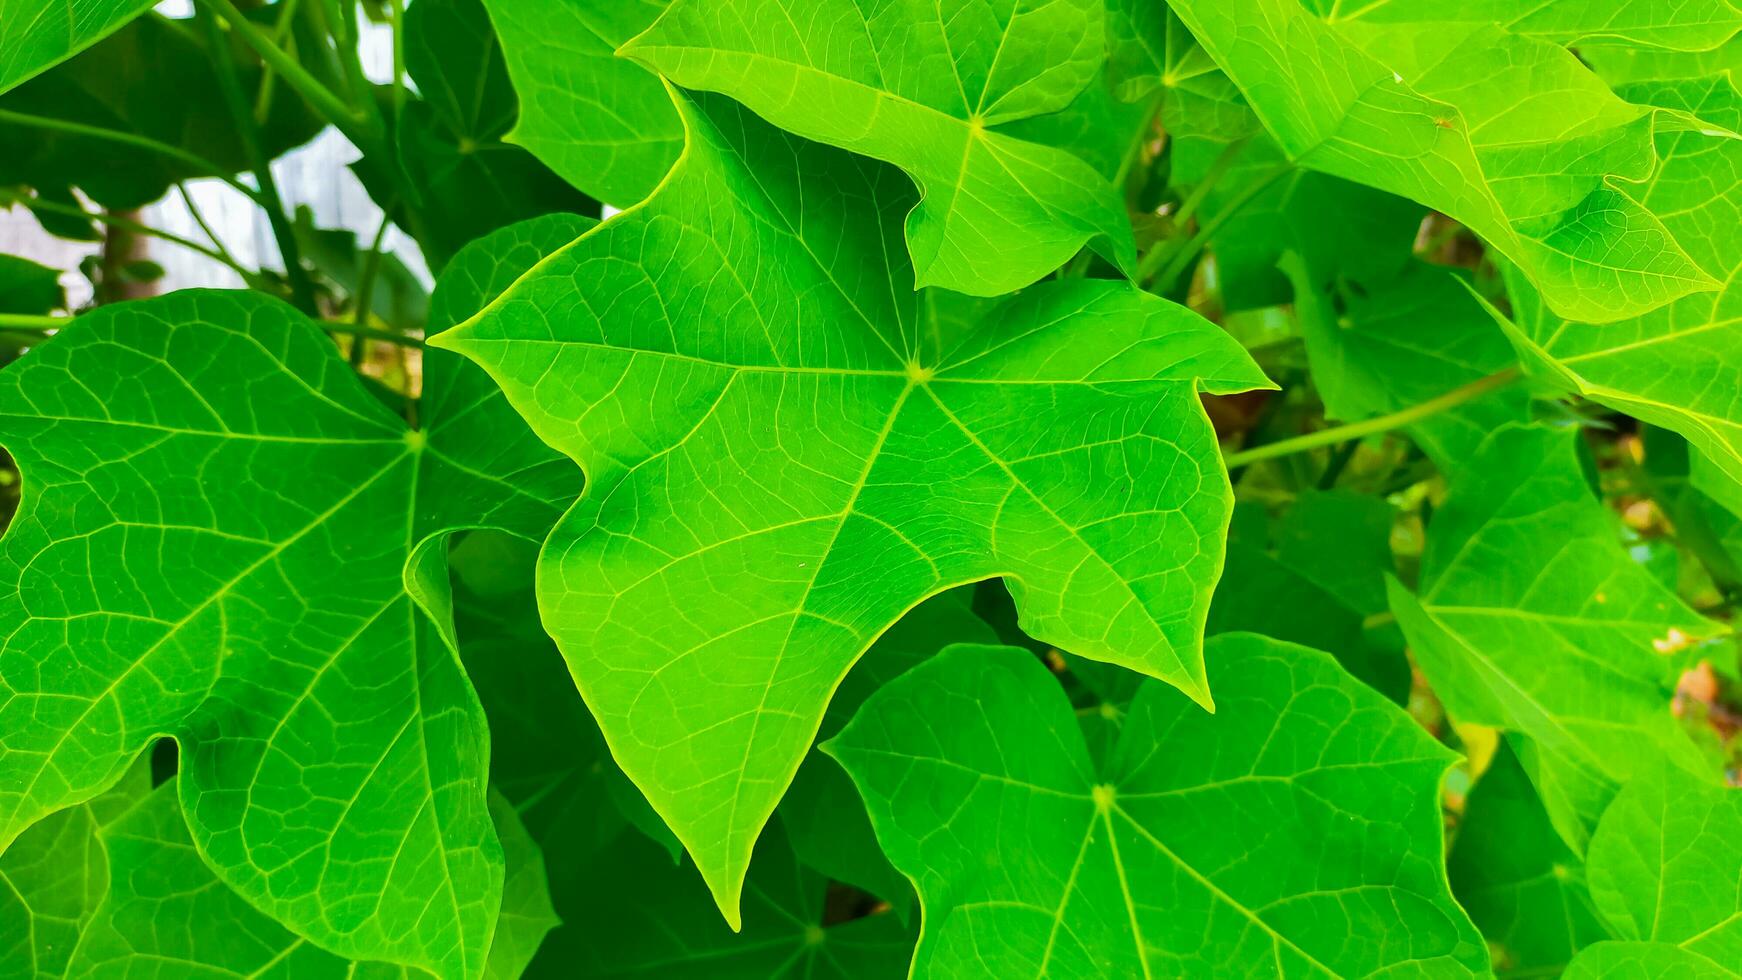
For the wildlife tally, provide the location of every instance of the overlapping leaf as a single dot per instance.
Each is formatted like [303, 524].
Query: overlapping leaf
[1387, 345]
[1679, 367]
[932, 90]
[785, 452]
[1508, 134]
[37, 34]
[604, 123]
[1295, 832]
[1531, 618]
[1520, 882]
[227, 539]
[1666, 872]
[1692, 25]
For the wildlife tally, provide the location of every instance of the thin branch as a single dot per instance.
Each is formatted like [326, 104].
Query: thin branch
[1384, 423]
[37, 204]
[200, 164]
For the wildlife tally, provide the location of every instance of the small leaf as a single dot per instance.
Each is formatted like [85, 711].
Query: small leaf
[1207, 844]
[28, 288]
[996, 212]
[604, 123]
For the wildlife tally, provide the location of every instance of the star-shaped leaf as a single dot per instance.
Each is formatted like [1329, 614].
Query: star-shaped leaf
[1296, 832]
[785, 452]
[1510, 135]
[226, 538]
[1532, 618]
[930, 89]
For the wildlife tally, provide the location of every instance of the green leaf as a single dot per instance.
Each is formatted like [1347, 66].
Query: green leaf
[28, 288]
[768, 422]
[604, 123]
[1383, 346]
[1206, 844]
[1519, 881]
[38, 34]
[822, 813]
[932, 93]
[1675, 367]
[196, 469]
[1532, 618]
[1150, 50]
[1317, 584]
[1691, 26]
[635, 914]
[1267, 209]
[468, 182]
[55, 876]
[1455, 117]
[156, 78]
[1664, 865]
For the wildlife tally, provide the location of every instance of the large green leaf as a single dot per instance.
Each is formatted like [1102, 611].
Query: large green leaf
[38, 34]
[116, 888]
[1256, 841]
[198, 470]
[1149, 49]
[1508, 134]
[605, 124]
[1532, 618]
[785, 452]
[932, 91]
[1693, 25]
[1520, 882]
[1678, 367]
[1666, 872]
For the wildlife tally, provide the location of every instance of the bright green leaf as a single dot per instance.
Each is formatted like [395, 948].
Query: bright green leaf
[785, 453]
[1151, 50]
[1689, 25]
[1679, 367]
[931, 92]
[1533, 619]
[1666, 872]
[604, 123]
[38, 34]
[1223, 844]
[1455, 117]
[198, 468]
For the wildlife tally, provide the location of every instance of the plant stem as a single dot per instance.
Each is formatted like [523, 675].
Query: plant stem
[1374, 426]
[187, 199]
[365, 295]
[1158, 252]
[302, 290]
[371, 333]
[1182, 256]
[200, 164]
[20, 321]
[37, 204]
[351, 121]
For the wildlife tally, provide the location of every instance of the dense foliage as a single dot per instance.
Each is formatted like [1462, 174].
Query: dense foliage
[990, 488]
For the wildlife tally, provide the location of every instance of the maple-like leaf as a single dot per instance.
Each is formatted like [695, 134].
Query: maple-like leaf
[786, 450]
[1261, 840]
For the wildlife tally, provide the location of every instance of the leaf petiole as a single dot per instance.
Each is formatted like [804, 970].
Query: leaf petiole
[1384, 423]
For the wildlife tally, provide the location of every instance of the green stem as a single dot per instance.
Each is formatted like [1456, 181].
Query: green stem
[371, 333]
[187, 199]
[20, 321]
[1182, 257]
[1159, 252]
[351, 121]
[1384, 423]
[200, 164]
[302, 289]
[37, 204]
[365, 296]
